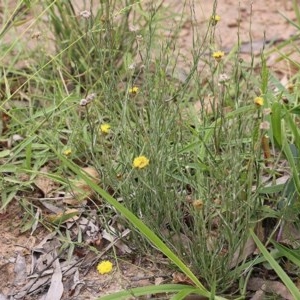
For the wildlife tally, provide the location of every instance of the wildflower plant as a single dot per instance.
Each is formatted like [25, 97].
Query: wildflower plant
[193, 177]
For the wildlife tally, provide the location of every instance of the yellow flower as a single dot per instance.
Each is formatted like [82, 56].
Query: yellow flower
[105, 128]
[134, 90]
[218, 55]
[215, 19]
[104, 267]
[67, 152]
[140, 162]
[259, 101]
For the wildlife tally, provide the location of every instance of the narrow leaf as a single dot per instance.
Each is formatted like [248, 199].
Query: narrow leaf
[276, 267]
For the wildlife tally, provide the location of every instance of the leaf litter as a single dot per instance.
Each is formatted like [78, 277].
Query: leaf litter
[52, 263]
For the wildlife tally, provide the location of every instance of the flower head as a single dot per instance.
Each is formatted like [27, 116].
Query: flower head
[104, 267]
[132, 66]
[259, 101]
[83, 102]
[140, 162]
[290, 88]
[217, 55]
[134, 90]
[198, 204]
[67, 152]
[215, 19]
[85, 14]
[223, 78]
[105, 128]
[89, 98]
[265, 125]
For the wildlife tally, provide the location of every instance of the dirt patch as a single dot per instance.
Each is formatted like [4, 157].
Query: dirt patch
[128, 271]
[13, 242]
[240, 21]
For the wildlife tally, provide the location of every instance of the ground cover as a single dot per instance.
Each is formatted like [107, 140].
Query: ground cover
[143, 145]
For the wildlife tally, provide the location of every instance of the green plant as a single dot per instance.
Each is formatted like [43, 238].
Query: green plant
[112, 90]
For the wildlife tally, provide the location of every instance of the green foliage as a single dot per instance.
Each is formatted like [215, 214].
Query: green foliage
[204, 187]
[276, 267]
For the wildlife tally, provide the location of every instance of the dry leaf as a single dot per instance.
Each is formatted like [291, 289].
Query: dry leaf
[20, 270]
[56, 288]
[290, 235]
[32, 286]
[51, 207]
[44, 183]
[274, 287]
[212, 240]
[77, 285]
[80, 190]
[181, 278]
[115, 239]
[248, 249]
[159, 280]
[3, 297]
[89, 227]
[260, 294]
[66, 216]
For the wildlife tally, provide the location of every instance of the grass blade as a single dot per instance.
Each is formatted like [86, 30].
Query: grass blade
[148, 290]
[276, 267]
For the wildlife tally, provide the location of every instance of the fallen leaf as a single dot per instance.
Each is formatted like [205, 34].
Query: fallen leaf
[44, 182]
[260, 294]
[78, 284]
[181, 278]
[61, 218]
[274, 287]
[242, 254]
[32, 286]
[20, 270]
[80, 190]
[56, 288]
[51, 207]
[159, 280]
[290, 235]
[3, 297]
[115, 239]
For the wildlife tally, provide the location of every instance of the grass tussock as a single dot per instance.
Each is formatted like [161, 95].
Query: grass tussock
[193, 151]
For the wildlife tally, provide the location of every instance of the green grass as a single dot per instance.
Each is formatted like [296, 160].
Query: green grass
[204, 191]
